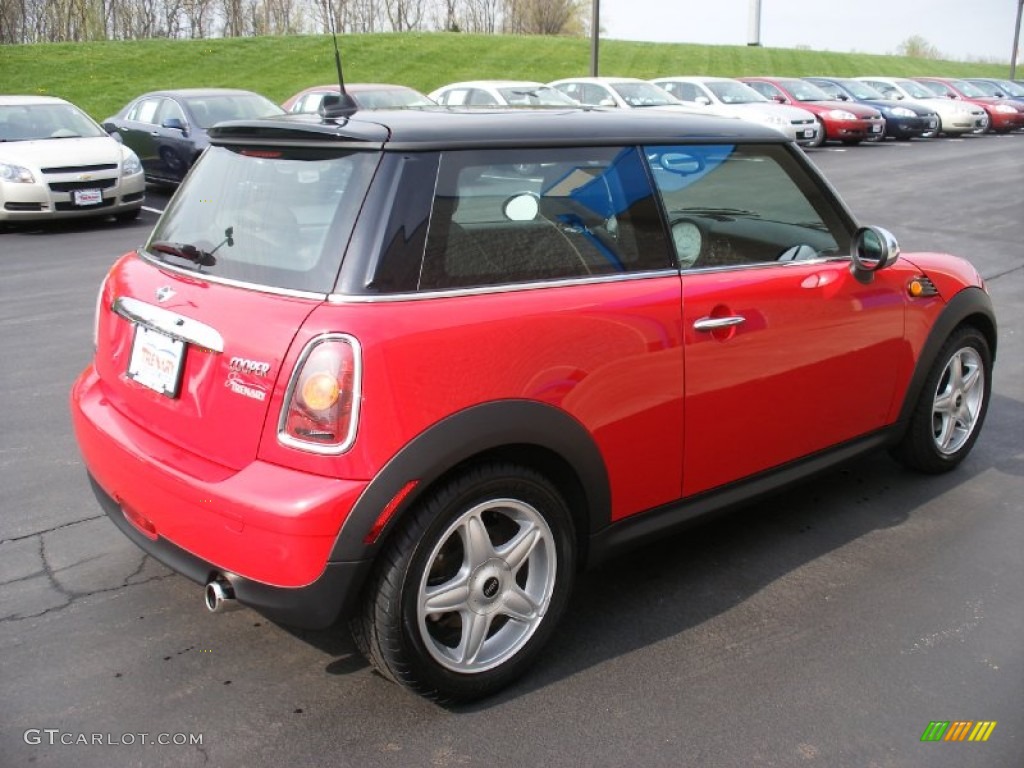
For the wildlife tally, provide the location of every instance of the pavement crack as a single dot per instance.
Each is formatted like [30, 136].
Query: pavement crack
[13, 539]
[1004, 273]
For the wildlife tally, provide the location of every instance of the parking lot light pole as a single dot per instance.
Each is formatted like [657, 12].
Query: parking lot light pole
[595, 36]
[1016, 41]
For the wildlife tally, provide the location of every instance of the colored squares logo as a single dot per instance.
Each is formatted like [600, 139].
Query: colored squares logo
[958, 730]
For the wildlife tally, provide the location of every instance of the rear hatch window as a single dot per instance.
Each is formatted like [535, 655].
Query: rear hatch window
[276, 218]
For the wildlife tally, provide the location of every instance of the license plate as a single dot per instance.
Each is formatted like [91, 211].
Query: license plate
[931, 123]
[156, 361]
[876, 128]
[808, 134]
[87, 196]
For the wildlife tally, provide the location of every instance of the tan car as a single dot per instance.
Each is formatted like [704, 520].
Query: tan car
[56, 162]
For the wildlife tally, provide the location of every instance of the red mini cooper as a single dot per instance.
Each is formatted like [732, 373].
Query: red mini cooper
[415, 370]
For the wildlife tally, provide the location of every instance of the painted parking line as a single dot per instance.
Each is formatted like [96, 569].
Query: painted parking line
[157, 211]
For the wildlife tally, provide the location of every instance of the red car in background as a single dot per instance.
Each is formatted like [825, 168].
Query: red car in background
[1004, 115]
[840, 120]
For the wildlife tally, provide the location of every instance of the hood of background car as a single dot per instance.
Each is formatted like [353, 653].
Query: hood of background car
[59, 153]
[860, 110]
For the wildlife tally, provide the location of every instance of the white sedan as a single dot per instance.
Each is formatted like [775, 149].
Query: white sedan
[56, 162]
[505, 93]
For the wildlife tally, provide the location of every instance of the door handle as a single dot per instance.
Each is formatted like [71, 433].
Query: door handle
[715, 323]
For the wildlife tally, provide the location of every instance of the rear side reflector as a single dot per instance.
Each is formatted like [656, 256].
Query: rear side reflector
[321, 406]
[145, 526]
[389, 511]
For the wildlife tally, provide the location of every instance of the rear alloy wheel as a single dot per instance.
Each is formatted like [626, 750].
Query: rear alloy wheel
[471, 586]
[952, 405]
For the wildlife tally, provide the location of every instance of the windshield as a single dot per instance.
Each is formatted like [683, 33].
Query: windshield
[1011, 89]
[535, 96]
[644, 95]
[861, 90]
[735, 93]
[804, 91]
[28, 122]
[833, 90]
[271, 217]
[915, 89]
[208, 110]
[390, 98]
[937, 89]
[969, 90]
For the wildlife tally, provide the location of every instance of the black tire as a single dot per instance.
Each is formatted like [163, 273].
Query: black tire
[126, 217]
[430, 556]
[936, 441]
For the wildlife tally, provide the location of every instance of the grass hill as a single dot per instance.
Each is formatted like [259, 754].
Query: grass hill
[101, 77]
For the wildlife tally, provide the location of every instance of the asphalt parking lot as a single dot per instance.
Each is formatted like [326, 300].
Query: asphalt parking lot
[826, 626]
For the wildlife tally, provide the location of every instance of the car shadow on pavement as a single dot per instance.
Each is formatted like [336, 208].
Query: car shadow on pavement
[676, 585]
[672, 587]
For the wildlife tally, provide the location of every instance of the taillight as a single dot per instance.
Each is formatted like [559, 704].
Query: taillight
[321, 406]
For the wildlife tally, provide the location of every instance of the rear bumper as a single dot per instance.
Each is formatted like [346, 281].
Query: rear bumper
[268, 529]
[315, 606]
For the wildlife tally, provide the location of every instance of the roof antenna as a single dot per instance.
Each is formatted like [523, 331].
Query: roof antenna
[341, 105]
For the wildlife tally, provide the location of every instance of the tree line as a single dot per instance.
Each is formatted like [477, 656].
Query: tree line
[48, 21]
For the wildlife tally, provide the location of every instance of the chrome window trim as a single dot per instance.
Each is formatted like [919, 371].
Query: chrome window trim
[440, 293]
[169, 323]
[323, 449]
[355, 298]
[193, 275]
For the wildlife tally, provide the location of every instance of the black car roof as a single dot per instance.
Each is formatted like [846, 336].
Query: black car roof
[445, 127]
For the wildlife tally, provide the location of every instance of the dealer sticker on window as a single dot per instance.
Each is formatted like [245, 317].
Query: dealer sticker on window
[156, 361]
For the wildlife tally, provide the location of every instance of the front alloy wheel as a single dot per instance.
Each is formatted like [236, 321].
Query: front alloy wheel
[958, 401]
[951, 407]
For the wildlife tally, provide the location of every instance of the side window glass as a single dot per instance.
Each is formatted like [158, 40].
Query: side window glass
[514, 216]
[145, 111]
[734, 205]
[572, 90]
[168, 109]
[685, 91]
[765, 89]
[595, 95]
[479, 98]
[454, 98]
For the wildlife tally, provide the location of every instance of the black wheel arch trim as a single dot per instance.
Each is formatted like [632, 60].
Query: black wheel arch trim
[506, 425]
[969, 303]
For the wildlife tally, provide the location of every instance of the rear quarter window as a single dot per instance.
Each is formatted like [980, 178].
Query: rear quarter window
[501, 217]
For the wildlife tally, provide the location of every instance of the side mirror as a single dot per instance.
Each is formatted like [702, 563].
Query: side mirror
[779, 99]
[175, 123]
[703, 101]
[873, 248]
[335, 105]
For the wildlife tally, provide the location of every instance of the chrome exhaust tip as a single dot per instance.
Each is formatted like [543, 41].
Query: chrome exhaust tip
[218, 594]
